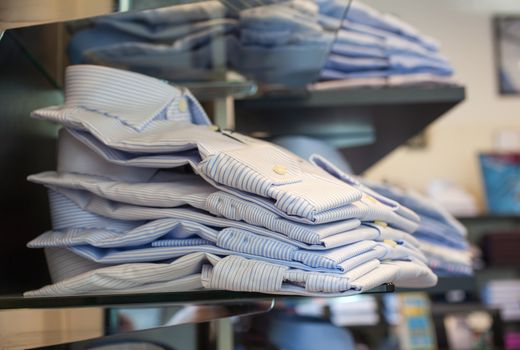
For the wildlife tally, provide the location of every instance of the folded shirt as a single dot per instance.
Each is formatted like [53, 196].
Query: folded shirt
[277, 39]
[279, 17]
[81, 169]
[102, 241]
[363, 14]
[433, 231]
[335, 171]
[393, 64]
[173, 15]
[203, 270]
[420, 204]
[64, 264]
[162, 34]
[371, 45]
[355, 51]
[281, 25]
[72, 209]
[446, 261]
[392, 42]
[155, 133]
[446, 253]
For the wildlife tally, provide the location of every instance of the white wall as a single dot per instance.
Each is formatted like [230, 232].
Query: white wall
[465, 30]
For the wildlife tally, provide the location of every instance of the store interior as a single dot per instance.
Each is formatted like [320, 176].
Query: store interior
[415, 101]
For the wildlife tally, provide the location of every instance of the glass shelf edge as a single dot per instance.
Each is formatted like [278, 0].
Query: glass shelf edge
[179, 298]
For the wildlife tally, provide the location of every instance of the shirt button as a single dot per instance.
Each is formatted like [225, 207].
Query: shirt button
[381, 223]
[183, 105]
[391, 243]
[280, 169]
[370, 198]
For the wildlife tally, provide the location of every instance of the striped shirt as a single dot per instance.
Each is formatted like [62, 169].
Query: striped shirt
[96, 239]
[203, 270]
[141, 117]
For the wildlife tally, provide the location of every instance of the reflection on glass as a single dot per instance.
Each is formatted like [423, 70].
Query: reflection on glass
[276, 43]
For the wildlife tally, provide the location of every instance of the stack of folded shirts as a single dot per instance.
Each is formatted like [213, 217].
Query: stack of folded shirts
[281, 43]
[273, 43]
[149, 196]
[373, 46]
[443, 239]
[183, 42]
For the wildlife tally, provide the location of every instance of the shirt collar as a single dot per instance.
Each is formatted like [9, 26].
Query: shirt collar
[134, 99]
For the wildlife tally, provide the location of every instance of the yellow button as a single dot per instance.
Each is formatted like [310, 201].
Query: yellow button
[280, 169]
[381, 223]
[213, 127]
[371, 199]
[391, 243]
[183, 105]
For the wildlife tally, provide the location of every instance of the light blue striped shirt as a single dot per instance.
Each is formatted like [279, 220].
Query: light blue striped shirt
[79, 168]
[137, 117]
[203, 270]
[98, 239]
[65, 215]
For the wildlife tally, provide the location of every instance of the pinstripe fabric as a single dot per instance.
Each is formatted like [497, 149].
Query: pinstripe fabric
[409, 217]
[171, 238]
[143, 119]
[298, 201]
[70, 206]
[235, 242]
[163, 189]
[181, 274]
[73, 204]
[138, 235]
[172, 190]
[250, 275]
[179, 240]
[64, 264]
[240, 274]
[367, 209]
[65, 215]
[442, 238]
[455, 256]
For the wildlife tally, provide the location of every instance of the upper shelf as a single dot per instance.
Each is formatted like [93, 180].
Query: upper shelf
[358, 96]
[392, 114]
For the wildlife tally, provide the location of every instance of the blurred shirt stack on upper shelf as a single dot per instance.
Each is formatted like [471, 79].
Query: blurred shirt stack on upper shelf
[278, 44]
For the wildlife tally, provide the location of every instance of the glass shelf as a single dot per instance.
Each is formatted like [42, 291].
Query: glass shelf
[18, 301]
[130, 315]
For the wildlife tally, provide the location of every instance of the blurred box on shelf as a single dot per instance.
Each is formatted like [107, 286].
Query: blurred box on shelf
[501, 177]
[504, 295]
[501, 248]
